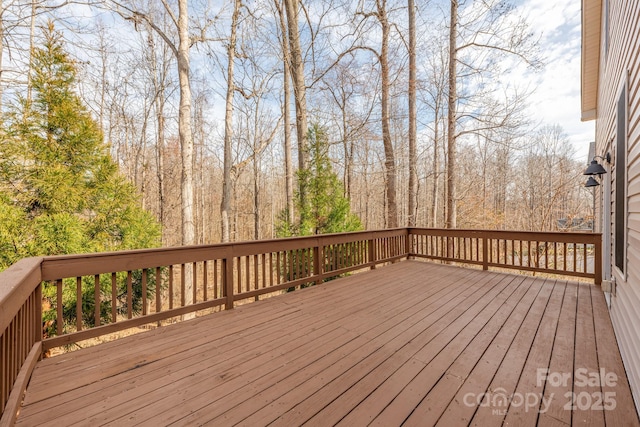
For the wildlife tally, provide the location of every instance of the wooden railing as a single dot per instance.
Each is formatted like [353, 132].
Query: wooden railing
[110, 292]
[566, 254]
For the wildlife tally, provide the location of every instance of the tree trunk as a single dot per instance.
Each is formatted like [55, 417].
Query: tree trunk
[436, 169]
[390, 164]
[256, 199]
[32, 35]
[299, 87]
[225, 207]
[186, 143]
[413, 179]
[451, 220]
[286, 112]
[160, 162]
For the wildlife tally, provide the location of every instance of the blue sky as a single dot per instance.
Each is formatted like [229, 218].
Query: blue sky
[556, 99]
[557, 95]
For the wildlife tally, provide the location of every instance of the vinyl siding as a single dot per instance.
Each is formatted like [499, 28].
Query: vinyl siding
[622, 66]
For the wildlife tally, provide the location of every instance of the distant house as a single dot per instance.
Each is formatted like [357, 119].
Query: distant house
[611, 96]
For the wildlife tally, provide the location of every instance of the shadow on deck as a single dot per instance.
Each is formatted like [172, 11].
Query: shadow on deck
[412, 343]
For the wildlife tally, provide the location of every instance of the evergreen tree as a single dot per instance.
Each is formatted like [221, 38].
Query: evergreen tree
[60, 191]
[324, 208]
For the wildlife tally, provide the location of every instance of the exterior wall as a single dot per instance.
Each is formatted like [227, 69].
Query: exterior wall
[620, 66]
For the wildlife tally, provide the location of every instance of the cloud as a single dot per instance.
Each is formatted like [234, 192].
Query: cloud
[557, 88]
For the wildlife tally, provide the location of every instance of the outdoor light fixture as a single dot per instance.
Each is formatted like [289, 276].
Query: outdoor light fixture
[591, 182]
[596, 169]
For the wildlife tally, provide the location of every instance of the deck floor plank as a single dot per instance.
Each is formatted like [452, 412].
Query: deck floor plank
[377, 333]
[148, 399]
[400, 344]
[383, 394]
[480, 364]
[506, 378]
[561, 362]
[586, 359]
[476, 383]
[527, 403]
[440, 396]
[426, 341]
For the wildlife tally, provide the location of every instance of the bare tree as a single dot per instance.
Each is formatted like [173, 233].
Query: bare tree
[225, 207]
[413, 178]
[490, 31]
[380, 14]
[450, 221]
[286, 94]
[299, 87]
[181, 52]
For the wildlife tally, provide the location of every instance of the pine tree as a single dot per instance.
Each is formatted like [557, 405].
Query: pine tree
[324, 209]
[60, 190]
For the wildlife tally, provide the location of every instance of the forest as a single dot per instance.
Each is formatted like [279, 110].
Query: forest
[141, 123]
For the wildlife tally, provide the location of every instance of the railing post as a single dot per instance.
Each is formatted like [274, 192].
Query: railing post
[408, 244]
[38, 314]
[227, 265]
[597, 261]
[318, 267]
[485, 252]
[372, 253]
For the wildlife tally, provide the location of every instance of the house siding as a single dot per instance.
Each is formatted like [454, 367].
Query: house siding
[620, 70]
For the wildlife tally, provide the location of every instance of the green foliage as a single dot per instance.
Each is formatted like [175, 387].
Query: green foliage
[325, 209]
[60, 191]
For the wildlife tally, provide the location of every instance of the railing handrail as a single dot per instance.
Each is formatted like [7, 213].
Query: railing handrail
[18, 282]
[21, 284]
[59, 266]
[569, 236]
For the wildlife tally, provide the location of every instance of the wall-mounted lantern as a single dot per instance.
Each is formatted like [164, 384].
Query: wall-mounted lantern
[596, 169]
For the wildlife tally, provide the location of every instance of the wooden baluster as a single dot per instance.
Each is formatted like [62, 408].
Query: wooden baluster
[170, 287]
[255, 274]
[194, 283]
[239, 284]
[247, 262]
[271, 272]
[79, 303]
[264, 271]
[205, 280]
[130, 295]
[485, 253]
[291, 265]
[144, 291]
[114, 298]
[227, 267]
[158, 289]
[215, 279]
[96, 300]
[183, 285]
[279, 268]
[371, 253]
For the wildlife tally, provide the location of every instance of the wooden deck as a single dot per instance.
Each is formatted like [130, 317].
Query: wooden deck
[412, 343]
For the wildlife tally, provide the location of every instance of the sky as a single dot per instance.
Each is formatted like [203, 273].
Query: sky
[556, 99]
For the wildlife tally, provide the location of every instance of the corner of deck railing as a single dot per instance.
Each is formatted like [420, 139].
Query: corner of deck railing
[597, 262]
[16, 284]
[20, 325]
